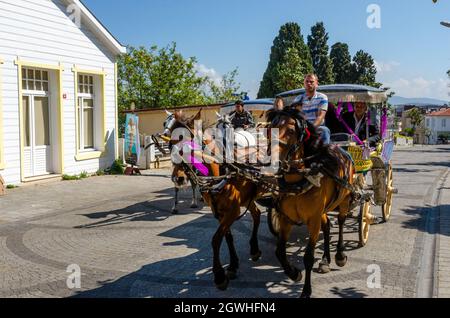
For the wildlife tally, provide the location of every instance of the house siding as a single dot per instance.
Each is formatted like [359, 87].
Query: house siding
[40, 31]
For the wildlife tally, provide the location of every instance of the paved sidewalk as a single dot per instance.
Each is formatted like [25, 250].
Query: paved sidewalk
[443, 266]
[52, 197]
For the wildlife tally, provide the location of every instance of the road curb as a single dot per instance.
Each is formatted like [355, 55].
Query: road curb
[442, 269]
[427, 285]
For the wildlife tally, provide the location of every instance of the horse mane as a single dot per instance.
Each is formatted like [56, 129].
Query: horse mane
[313, 146]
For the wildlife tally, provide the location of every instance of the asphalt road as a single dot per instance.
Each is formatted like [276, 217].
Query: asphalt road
[119, 232]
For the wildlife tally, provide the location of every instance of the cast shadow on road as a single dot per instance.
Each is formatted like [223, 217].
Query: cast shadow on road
[431, 164]
[408, 170]
[156, 210]
[423, 215]
[190, 275]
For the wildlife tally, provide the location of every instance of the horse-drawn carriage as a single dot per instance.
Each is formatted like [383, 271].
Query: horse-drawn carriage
[297, 198]
[367, 157]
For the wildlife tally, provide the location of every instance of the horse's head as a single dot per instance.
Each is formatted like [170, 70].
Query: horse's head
[293, 132]
[174, 121]
[179, 120]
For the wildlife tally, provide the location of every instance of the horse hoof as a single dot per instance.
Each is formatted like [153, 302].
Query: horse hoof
[324, 268]
[341, 262]
[194, 206]
[231, 274]
[296, 275]
[224, 285]
[256, 257]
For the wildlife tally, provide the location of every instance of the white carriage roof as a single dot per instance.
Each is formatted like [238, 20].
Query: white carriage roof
[345, 93]
[98, 28]
[250, 105]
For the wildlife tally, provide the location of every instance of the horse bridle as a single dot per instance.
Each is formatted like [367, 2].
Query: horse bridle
[304, 135]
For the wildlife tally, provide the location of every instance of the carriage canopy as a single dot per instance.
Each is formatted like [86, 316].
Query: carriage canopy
[343, 93]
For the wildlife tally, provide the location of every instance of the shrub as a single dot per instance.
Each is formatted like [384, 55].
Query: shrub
[117, 168]
[83, 175]
[410, 132]
[67, 177]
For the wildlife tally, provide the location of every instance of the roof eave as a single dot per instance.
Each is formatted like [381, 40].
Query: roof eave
[112, 43]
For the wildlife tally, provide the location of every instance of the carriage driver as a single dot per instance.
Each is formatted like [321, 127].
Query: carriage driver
[314, 105]
[241, 118]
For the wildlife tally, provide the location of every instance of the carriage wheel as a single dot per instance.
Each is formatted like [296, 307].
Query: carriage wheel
[273, 219]
[387, 207]
[365, 219]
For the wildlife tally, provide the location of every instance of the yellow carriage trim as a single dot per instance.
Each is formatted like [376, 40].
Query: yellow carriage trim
[361, 164]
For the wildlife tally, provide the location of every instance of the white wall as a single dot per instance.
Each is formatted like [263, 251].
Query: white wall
[40, 31]
[434, 123]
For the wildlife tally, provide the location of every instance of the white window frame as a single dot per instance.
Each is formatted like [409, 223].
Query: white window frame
[99, 82]
[444, 123]
[82, 95]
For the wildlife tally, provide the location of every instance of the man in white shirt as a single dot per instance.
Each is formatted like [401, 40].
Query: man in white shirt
[314, 105]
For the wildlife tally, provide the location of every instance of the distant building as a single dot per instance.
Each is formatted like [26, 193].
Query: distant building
[438, 124]
[427, 108]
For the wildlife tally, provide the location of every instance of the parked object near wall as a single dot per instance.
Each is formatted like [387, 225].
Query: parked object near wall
[2, 186]
[150, 158]
[403, 141]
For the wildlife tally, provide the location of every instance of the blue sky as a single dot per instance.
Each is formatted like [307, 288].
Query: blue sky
[411, 48]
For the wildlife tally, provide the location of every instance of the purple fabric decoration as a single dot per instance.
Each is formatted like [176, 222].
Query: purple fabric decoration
[350, 107]
[339, 109]
[384, 124]
[197, 164]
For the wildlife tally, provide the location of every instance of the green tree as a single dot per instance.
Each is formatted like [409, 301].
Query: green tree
[416, 117]
[364, 70]
[289, 74]
[158, 78]
[174, 80]
[318, 47]
[289, 37]
[224, 91]
[342, 63]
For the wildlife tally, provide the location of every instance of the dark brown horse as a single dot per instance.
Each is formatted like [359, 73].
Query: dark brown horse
[303, 155]
[225, 197]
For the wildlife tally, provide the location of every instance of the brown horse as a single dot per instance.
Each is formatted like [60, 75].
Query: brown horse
[225, 197]
[303, 156]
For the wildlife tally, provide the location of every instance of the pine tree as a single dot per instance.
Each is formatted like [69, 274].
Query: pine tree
[289, 38]
[342, 63]
[318, 47]
[364, 70]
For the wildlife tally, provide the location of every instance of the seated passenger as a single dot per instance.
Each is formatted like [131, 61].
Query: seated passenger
[314, 105]
[356, 120]
[242, 118]
[278, 104]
